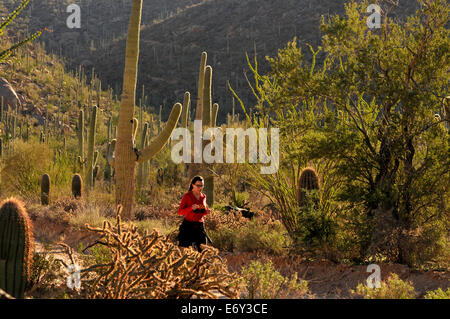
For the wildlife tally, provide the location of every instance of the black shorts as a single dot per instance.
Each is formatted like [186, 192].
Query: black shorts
[192, 233]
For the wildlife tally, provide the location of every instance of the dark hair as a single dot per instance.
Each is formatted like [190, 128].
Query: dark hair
[194, 180]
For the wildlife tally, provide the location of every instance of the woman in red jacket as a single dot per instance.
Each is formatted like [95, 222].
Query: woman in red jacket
[193, 206]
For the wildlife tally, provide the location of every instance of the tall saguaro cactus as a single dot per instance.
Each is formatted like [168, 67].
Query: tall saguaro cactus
[125, 155]
[16, 247]
[91, 156]
[207, 113]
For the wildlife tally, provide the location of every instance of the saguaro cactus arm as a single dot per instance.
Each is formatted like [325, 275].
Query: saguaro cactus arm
[185, 111]
[158, 143]
[201, 81]
[207, 98]
[110, 152]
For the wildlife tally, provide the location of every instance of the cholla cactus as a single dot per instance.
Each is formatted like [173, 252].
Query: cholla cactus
[150, 266]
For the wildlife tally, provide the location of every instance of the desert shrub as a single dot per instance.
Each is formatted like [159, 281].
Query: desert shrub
[392, 288]
[45, 272]
[425, 246]
[263, 281]
[315, 227]
[271, 238]
[438, 294]
[97, 254]
[240, 199]
[23, 168]
[224, 238]
[252, 236]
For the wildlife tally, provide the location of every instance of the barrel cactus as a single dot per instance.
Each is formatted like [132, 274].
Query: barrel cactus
[77, 185]
[308, 180]
[45, 189]
[16, 247]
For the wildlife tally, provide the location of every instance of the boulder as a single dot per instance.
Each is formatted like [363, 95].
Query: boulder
[10, 98]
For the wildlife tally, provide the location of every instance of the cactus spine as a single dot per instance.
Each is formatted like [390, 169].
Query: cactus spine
[16, 247]
[45, 189]
[125, 156]
[308, 180]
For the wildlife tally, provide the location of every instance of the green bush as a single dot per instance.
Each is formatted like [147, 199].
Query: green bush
[223, 238]
[263, 281]
[24, 167]
[392, 288]
[240, 199]
[271, 238]
[253, 236]
[45, 272]
[315, 227]
[438, 294]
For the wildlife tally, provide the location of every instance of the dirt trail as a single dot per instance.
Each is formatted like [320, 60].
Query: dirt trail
[329, 280]
[325, 279]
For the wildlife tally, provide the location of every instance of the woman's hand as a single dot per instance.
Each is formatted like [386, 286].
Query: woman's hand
[195, 206]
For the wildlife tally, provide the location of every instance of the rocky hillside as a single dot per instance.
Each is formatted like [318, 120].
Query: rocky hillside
[176, 32]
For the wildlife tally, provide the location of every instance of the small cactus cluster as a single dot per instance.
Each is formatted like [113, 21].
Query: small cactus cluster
[153, 267]
[16, 247]
[308, 180]
[14, 127]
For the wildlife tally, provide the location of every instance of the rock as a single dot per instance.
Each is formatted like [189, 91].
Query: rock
[246, 213]
[10, 97]
[5, 295]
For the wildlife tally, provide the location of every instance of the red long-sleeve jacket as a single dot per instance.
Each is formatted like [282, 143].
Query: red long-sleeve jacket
[186, 207]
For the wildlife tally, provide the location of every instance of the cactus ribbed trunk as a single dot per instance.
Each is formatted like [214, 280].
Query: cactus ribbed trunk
[16, 247]
[91, 160]
[125, 157]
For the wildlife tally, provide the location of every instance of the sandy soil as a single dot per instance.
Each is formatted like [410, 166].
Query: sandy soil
[325, 279]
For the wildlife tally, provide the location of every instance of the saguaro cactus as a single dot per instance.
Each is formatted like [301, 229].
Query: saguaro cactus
[81, 140]
[91, 160]
[207, 113]
[308, 180]
[45, 189]
[16, 247]
[125, 155]
[77, 185]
